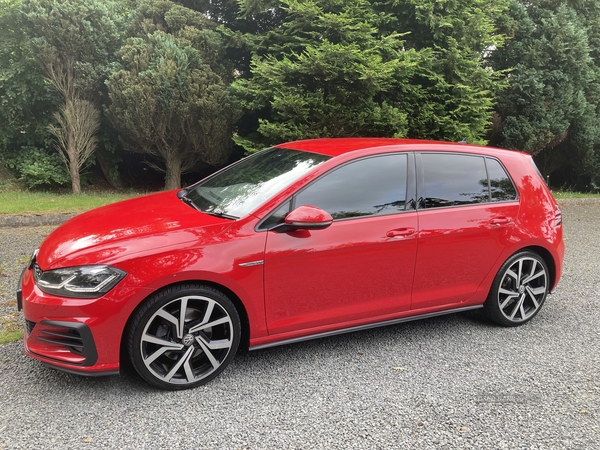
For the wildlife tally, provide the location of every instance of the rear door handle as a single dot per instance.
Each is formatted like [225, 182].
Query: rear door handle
[400, 232]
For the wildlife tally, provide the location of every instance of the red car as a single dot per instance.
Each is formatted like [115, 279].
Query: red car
[302, 240]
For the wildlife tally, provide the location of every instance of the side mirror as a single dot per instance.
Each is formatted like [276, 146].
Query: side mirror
[305, 218]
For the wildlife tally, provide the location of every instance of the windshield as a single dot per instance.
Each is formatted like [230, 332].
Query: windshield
[240, 188]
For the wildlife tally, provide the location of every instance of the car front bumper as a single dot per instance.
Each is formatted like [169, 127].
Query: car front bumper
[68, 334]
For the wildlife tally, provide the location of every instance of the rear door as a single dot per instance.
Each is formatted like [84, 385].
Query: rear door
[467, 206]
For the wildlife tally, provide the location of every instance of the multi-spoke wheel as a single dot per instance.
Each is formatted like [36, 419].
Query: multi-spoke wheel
[519, 290]
[184, 336]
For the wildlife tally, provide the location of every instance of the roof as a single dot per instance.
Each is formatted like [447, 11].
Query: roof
[338, 146]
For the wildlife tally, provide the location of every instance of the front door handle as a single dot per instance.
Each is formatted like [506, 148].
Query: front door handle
[500, 221]
[400, 232]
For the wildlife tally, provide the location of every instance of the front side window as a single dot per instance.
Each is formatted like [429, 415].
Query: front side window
[370, 186]
[241, 188]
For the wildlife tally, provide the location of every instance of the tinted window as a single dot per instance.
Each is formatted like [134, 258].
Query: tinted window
[501, 185]
[366, 187]
[453, 180]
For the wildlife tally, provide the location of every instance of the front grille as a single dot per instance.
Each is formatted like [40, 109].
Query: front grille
[29, 325]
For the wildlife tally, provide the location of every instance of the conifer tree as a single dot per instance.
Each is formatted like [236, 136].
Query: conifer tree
[169, 97]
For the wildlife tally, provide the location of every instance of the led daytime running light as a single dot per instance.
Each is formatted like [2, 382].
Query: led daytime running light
[81, 281]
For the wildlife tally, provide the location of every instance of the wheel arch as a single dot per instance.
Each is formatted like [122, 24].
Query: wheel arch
[548, 259]
[237, 302]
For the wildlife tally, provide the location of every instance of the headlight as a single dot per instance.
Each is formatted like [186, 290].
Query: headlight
[78, 282]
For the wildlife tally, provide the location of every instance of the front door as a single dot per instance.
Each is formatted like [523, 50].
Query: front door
[361, 267]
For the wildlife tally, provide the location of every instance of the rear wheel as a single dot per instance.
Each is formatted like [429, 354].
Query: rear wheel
[519, 290]
[184, 336]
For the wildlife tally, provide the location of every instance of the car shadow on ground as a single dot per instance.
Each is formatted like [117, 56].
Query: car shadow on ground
[422, 333]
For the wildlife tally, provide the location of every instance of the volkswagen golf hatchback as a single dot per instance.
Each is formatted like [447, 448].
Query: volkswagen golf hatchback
[302, 240]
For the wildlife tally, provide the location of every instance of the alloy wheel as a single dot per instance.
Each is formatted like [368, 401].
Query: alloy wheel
[185, 341]
[519, 290]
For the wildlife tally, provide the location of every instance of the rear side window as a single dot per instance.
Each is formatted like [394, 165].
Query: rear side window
[367, 187]
[454, 180]
[451, 180]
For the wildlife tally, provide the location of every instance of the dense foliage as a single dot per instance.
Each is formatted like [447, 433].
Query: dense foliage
[551, 107]
[26, 106]
[326, 71]
[165, 98]
[186, 83]
[74, 41]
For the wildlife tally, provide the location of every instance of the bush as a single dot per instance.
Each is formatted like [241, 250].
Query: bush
[37, 168]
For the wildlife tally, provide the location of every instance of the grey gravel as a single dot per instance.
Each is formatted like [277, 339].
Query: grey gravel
[14, 221]
[453, 382]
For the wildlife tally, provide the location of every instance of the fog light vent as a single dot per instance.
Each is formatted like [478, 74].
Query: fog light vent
[29, 325]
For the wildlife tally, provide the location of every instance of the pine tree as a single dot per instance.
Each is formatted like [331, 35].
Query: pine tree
[325, 72]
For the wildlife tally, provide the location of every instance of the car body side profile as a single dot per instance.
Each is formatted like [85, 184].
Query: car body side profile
[301, 240]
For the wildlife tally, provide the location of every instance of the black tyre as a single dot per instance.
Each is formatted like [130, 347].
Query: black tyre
[519, 290]
[184, 336]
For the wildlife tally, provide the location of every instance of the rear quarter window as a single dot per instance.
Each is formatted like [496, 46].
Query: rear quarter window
[501, 186]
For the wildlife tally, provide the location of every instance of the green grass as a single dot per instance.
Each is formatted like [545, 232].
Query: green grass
[10, 336]
[15, 202]
[572, 194]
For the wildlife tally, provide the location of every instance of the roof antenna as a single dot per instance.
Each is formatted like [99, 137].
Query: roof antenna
[464, 141]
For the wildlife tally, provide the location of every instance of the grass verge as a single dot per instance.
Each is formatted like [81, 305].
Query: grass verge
[11, 326]
[572, 194]
[28, 202]
[7, 336]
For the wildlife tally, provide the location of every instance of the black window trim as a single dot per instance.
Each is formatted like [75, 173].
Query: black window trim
[420, 171]
[259, 225]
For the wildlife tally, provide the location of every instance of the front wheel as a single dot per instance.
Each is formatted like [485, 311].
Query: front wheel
[184, 336]
[519, 290]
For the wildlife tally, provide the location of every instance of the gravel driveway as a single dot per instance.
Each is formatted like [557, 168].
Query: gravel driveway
[453, 382]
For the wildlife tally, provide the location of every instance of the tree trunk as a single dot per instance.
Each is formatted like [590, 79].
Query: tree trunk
[74, 172]
[75, 183]
[173, 172]
[110, 171]
[73, 163]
